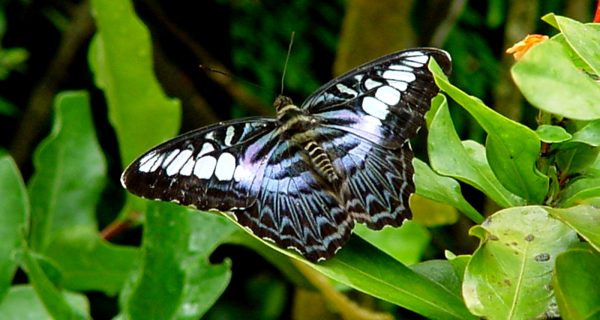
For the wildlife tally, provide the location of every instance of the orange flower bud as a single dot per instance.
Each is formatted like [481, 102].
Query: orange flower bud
[521, 47]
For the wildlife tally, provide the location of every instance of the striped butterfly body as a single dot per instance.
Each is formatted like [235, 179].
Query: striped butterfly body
[303, 179]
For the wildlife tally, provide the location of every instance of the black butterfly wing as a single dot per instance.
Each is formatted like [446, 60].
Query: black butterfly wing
[385, 100]
[367, 117]
[216, 167]
[295, 208]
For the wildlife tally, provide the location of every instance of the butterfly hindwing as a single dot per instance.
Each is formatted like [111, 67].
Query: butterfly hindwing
[295, 209]
[376, 181]
[217, 167]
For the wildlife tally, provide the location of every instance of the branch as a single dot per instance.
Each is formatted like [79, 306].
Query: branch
[38, 108]
[233, 88]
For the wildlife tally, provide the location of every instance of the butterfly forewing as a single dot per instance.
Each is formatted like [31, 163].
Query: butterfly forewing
[384, 100]
[217, 167]
[302, 180]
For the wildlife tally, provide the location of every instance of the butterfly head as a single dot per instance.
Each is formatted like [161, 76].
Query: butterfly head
[281, 102]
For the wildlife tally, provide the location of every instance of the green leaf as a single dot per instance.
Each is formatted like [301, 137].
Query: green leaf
[121, 59]
[509, 275]
[431, 213]
[443, 189]
[584, 219]
[575, 157]
[550, 81]
[584, 39]
[88, 263]
[363, 267]
[53, 299]
[69, 172]
[589, 134]
[414, 238]
[459, 263]
[441, 272]
[22, 303]
[576, 284]
[66, 186]
[578, 191]
[466, 162]
[175, 278]
[552, 134]
[512, 149]
[14, 212]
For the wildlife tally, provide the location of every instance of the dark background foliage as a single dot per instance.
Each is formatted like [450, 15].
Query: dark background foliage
[44, 46]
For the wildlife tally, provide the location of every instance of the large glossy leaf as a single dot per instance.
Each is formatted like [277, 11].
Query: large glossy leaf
[121, 59]
[363, 267]
[576, 284]
[368, 270]
[585, 219]
[512, 149]
[14, 211]
[22, 303]
[466, 162]
[443, 189]
[69, 172]
[550, 81]
[584, 39]
[175, 278]
[509, 275]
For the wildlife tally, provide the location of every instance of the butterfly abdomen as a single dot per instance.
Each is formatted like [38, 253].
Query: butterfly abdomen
[322, 163]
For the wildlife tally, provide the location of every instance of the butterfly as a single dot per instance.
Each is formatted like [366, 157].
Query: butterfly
[303, 179]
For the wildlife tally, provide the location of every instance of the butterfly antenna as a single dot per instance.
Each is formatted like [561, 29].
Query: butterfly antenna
[228, 75]
[287, 59]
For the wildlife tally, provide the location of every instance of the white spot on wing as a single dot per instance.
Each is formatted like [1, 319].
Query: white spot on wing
[414, 64]
[346, 90]
[157, 162]
[375, 107]
[370, 84]
[178, 162]
[225, 167]
[419, 59]
[206, 148]
[188, 167]
[413, 53]
[229, 135]
[388, 95]
[402, 86]
[205, 167]
[399, 75]
[148, 162]
[170, 157]
[241, 173]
